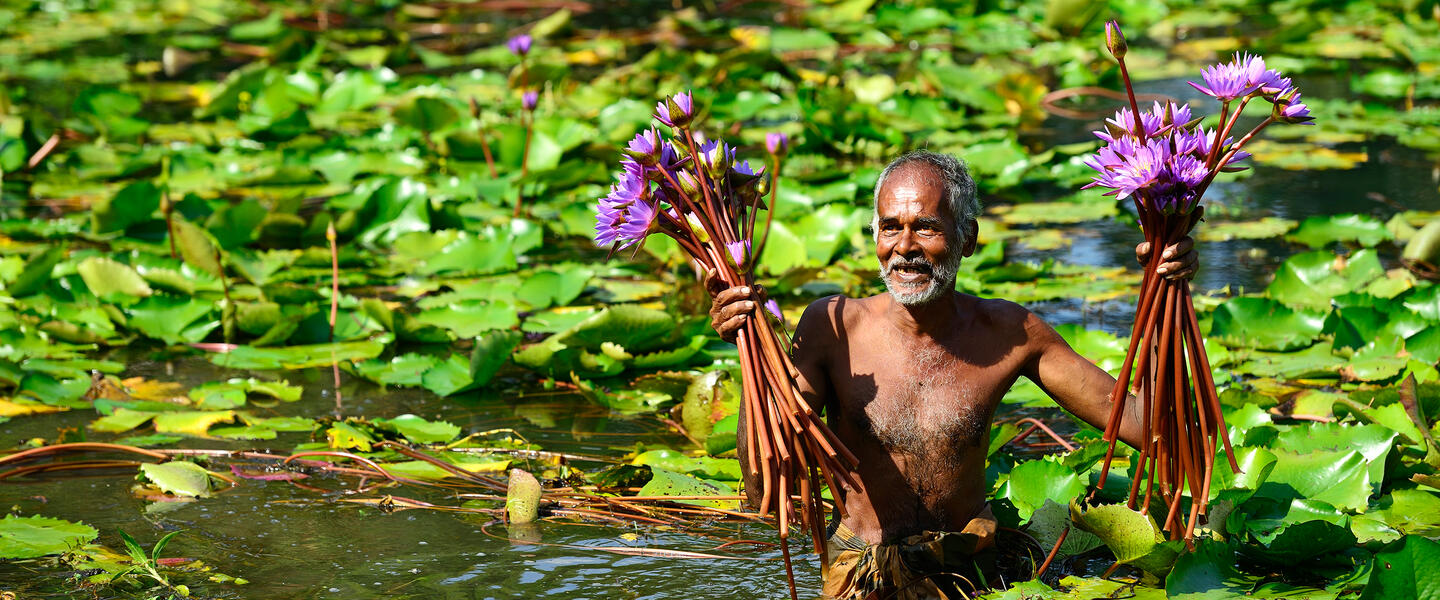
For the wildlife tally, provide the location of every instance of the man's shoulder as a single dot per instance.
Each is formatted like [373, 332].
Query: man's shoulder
[1003, 312]
[840, 308]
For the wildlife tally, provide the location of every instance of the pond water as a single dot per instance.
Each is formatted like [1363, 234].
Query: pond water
[291, 542]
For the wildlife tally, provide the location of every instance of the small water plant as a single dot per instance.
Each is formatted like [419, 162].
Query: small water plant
[1164, 160]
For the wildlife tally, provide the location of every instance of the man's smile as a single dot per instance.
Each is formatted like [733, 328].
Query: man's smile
[911, 273]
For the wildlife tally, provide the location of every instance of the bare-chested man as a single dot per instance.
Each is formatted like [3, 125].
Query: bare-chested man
[910, 379]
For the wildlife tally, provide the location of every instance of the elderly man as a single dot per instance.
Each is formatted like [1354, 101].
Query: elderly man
[910, 380]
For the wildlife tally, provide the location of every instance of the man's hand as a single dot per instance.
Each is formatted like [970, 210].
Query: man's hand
[730, 306]
[1180, 259]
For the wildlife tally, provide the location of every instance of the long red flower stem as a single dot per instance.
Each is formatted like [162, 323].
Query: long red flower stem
[1203, 368]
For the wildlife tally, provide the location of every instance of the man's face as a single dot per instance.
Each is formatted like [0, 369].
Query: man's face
[915, 233]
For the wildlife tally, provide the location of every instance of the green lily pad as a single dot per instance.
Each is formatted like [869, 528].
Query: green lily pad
[106, 278]
[1259, 229]
[1132, 537]
[722, 469]
[1400, 513]
[1405, 570]
[1340, 478]
[35, 536]
[1031, 483]
[1312, 279]
[297, 357]
[421, 431]
[1264, 324]
[179, 477]
[669, 483]
[1208, 572]
[1322, 230]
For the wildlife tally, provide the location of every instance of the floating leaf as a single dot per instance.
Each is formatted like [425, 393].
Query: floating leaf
[1265, 324]
[34, 536]
[670, 483]
[297, 357]
[191, 422]
[106, 277]
[179, 477]
[1031, 483]
[1322, 230]
[420, 431]
[1405, 570]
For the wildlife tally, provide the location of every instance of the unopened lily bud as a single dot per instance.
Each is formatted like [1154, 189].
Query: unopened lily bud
[688, 184]
[1289, 109]
[776, 143]
[716, 160]
[676, 111]
[1115, 39]
[530, 99]
[645, 148]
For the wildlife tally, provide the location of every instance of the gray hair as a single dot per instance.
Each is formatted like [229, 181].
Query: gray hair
[959, 188]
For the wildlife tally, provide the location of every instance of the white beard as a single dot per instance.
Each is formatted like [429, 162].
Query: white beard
[942, 279]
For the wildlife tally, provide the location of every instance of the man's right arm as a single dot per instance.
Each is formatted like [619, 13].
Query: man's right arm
[808, 355]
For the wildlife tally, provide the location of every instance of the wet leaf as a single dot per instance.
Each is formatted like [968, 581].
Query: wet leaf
[107, 278]
[1033, 482]
[1265, 324]
[421, 431]
[35, 536]
[1405, 570]
[297, 357]
[195, 423]
[179, 477]
[670, 483]
[1362, 229]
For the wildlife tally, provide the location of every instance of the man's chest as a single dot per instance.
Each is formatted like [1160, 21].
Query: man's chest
[920, 399]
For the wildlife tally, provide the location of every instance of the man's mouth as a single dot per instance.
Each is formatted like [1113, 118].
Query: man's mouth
[910, 273]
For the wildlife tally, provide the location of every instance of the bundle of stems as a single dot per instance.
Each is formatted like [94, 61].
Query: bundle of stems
[700, 196]
[1164, 161]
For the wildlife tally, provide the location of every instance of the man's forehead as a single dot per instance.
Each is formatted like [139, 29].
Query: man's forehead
[911, 183]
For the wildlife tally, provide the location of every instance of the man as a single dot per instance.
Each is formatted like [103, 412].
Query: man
[910, 380]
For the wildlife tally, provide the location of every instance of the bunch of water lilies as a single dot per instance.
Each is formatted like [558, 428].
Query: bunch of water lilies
[1164, 160]
[698, 193]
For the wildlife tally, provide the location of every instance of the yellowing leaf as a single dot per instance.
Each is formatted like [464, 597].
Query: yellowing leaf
[9, 408]
[192, 422]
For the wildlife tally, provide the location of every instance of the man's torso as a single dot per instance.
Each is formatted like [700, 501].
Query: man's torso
[916, 409]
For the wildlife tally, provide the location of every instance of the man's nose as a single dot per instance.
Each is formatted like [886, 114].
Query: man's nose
[906, 246]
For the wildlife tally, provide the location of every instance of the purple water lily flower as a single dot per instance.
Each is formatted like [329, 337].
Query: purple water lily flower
[519, 45]
[743, 167]
[529, 99]
[676, 111]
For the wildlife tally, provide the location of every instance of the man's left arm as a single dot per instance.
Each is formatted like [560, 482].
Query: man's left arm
[1076, 384]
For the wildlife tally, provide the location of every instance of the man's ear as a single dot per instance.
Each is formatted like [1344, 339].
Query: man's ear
[972, 231]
